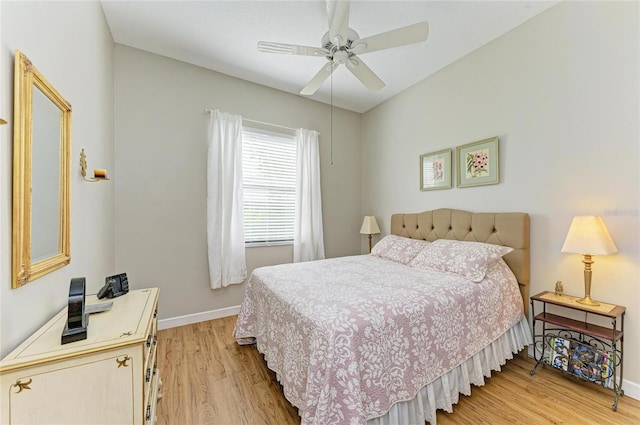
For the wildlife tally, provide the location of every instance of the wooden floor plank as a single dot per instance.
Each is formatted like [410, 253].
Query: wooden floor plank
[210, 380]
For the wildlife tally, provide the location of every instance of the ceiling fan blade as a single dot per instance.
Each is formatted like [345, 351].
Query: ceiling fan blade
[338, 13]
[319, 78]
[399, 37]
[291, 49]
[364, 74]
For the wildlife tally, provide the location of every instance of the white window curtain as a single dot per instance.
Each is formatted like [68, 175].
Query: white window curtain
[225, 230]
[308, 240]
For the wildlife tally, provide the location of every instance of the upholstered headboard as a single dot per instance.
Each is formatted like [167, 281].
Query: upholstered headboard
[508, 229]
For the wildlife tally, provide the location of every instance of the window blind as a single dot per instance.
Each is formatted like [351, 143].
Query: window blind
[269, 181]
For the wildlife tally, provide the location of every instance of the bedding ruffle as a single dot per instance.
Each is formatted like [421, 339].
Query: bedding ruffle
[445, 391]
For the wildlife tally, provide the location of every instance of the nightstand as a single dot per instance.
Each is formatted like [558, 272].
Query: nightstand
[580, 348]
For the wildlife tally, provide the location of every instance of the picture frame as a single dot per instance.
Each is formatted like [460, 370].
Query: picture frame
[477, 163]
[435, 170]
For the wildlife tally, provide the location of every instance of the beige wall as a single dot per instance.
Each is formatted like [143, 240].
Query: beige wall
[562, 93]
[160, 175]
[72, 47]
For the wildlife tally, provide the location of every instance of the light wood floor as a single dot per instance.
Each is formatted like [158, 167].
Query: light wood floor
[209, 379]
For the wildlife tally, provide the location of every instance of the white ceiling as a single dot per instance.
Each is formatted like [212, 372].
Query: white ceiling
[222, 36]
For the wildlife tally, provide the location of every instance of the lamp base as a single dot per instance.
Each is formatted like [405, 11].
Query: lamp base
[588, 301]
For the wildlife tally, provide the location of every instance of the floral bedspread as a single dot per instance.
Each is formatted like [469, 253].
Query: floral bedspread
[349, 337]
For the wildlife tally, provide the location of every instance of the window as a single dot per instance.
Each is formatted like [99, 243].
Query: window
[269, 180]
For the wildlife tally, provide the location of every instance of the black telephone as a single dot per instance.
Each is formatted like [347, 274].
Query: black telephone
[115, 286]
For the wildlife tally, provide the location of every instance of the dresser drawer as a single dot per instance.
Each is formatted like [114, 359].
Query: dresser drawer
[152, 337]
[152, 403]
[74, 391]
[149, 370]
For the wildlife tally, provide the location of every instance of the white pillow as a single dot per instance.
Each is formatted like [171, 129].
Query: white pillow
[399, 249]
[468, 259]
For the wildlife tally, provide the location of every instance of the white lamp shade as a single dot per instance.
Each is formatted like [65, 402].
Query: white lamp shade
[589, 235]
[369, 226]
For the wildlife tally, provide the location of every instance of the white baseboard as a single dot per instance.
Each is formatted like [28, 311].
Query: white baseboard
[189, 319]
[631, 389]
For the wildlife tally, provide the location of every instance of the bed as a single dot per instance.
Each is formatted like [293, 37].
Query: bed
[391, 337]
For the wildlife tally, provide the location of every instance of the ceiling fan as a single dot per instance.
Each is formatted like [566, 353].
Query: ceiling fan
[342, 45]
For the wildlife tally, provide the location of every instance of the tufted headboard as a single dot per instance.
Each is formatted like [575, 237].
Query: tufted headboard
[508, 229]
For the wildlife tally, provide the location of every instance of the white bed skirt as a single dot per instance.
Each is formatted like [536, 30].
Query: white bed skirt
[445, 391]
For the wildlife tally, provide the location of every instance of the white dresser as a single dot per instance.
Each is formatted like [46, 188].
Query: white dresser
[109, 378]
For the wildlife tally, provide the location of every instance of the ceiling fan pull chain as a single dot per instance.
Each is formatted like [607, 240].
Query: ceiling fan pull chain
[331, 117]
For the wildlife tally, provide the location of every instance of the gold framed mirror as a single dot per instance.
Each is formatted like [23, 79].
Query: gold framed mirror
[41, 175]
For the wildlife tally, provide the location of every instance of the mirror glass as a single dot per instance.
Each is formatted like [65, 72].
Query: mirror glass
[45, 172]
[41, 173]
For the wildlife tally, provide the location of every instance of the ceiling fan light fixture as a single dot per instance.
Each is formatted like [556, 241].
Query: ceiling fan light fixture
[340, 57]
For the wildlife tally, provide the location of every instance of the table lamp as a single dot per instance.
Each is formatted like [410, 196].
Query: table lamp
[588, 236]
[369, 227]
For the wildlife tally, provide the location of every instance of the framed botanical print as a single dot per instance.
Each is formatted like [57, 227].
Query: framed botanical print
[477, 163]
[435, 170]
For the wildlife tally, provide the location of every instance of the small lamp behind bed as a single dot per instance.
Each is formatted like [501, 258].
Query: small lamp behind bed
[588, 236]
[369, 227]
